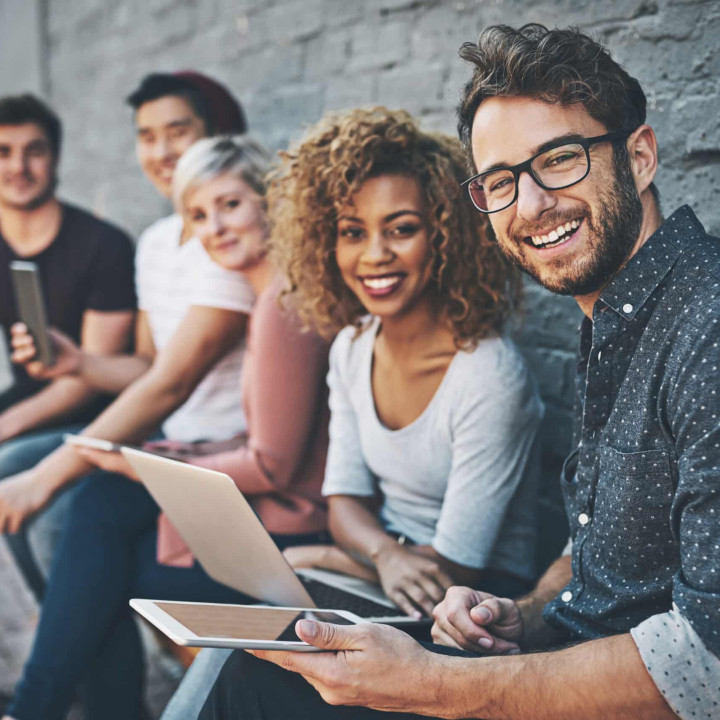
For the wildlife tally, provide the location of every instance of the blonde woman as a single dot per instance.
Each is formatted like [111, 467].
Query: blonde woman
[112, 548]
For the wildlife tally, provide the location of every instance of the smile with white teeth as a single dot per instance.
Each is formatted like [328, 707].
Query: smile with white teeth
[558, 236]
[380, 283]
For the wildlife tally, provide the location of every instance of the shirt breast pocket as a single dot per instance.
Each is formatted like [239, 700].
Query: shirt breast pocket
[632, 506]
[569, 482]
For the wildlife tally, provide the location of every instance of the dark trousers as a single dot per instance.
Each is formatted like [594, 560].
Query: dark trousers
[253, 689]
[86, 632]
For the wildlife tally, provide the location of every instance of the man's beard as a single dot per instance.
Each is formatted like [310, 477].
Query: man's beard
[613, 234]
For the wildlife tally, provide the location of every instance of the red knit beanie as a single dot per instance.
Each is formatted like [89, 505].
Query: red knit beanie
[227, 115]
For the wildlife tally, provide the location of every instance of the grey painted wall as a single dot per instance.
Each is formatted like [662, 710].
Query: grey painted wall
[22, 50]
[289, 60]
[21, 70]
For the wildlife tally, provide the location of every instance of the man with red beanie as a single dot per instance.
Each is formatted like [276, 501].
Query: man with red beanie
[188, 106]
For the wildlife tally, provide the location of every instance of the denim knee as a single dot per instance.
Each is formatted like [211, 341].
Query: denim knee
[23, 453]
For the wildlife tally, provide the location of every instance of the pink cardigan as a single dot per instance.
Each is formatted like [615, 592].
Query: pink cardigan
[280, 468]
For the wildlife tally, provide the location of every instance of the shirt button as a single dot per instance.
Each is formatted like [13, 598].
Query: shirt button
[566, 597]
[583, 519]
[627, 308]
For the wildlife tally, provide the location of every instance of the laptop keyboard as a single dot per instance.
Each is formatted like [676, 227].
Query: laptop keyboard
[329, 597]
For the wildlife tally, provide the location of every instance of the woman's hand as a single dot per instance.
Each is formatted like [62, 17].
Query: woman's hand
[113, 462]
[416, 584]
[68, 356]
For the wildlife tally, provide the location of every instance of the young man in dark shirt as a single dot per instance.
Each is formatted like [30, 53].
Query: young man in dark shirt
[626, 624]
[86, 265]
[86, 273]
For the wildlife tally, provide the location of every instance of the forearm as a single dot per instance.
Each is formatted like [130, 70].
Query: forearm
[461, 575]
[112, 373]
[537, 633]
[60, 468]
[138, 411]
[244, 467]
[54, 402]
[594, 680]
[357, 530]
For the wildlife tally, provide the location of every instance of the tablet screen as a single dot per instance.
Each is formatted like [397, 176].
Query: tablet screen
[245, 623]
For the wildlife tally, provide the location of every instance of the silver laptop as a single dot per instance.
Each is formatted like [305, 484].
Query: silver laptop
[225, 535]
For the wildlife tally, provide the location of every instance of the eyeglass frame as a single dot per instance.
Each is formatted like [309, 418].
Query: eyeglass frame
[526, 166]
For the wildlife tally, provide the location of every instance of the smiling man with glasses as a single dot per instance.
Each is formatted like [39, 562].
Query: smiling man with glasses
[626, 625]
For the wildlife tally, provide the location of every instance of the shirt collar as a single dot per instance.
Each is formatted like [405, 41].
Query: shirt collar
[633, 285]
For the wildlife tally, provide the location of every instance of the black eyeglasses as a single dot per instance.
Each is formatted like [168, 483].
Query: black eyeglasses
[555, 168]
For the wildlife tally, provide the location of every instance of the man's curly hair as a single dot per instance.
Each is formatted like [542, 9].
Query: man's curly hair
[562, 66]
[476, 287]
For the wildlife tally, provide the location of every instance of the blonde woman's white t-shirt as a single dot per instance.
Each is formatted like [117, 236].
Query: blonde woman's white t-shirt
[170, 279]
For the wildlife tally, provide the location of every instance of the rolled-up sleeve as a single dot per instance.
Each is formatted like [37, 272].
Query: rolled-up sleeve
[682, 668]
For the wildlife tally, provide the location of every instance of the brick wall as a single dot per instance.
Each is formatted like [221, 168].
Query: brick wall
[289, 60]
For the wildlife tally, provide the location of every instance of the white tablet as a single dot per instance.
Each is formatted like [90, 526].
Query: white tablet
[257, 627]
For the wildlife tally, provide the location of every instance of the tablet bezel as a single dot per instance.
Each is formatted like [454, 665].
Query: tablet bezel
[182, 635]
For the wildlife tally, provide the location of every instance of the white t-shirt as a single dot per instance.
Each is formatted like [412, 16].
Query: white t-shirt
[461, 477]
[170, 278]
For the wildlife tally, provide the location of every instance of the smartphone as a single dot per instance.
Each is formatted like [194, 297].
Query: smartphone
[257, 627]
[31, 307]
[92, 443]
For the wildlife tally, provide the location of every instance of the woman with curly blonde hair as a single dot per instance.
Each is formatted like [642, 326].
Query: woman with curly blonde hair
[433, 412]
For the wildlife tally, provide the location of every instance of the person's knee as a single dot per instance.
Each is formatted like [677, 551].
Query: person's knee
[18, 455]
[23, 453]
[247, 684]
[112, 504]
[95, 496]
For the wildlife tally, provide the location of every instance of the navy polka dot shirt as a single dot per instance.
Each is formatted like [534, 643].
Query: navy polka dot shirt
[642, 490]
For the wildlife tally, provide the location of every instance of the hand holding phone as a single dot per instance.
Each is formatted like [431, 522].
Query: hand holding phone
[68, 356]
[31, 307]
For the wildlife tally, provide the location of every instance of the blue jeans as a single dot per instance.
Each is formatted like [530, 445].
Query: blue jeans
[33, 547]
[107, 554]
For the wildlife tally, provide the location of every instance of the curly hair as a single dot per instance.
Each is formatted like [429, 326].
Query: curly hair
[562, 66]
[559, 66]
[476, 287]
